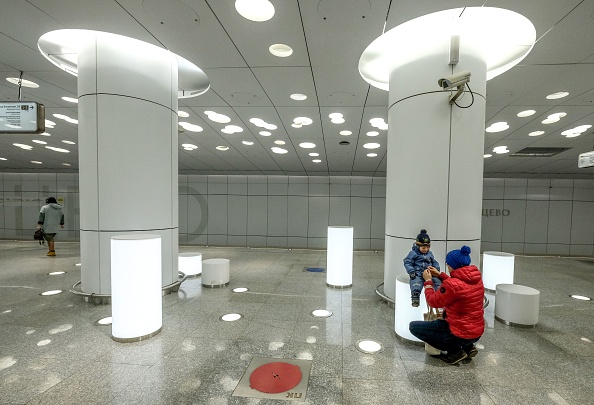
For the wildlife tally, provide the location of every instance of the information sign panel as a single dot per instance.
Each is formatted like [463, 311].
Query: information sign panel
[18, 117]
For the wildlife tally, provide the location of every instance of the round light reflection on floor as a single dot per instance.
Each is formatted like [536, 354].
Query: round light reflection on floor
[51, 292]
[55, 273]
[104, 321]
[231, 317]
[581, 297]
[321, 313]
[241, 289]
[369, 346]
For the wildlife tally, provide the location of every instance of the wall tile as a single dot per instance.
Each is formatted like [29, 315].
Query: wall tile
[361, 217]
[238, 215]
[340, 211]
[515, 248]
[361, 186]
[237, 185]
[318, 217]
[299, 185]
[559, 228]
[537, 222]
[257, 216]
[340, 186]
[258, 185]
[514, 223]
[582, 223]
[278, 185]
[535, 248]
[557, 249]
[277, 216]
[217, 185]
[319, 186]
[298, 213]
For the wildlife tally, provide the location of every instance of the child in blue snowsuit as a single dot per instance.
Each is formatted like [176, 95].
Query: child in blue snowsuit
[419, 259]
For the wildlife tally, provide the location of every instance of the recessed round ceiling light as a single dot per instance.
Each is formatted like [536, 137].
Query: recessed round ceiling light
[23, 146]
[281, 50]
[334, 115]
[558, 115]
[500, 149]
[557, 95]
[265, 133]
[51, 292]
[317, 161]
[255, 10]
[189, 146]
[24, 83]
[55, 273]
[526, 113]
[57, 149]
[307, 145]
[372, 133]
[45, 134]
[190, 127]
[216, 117]
[279, 142]
[321, 313]
[37, 162]
[248, 143]
[346, 133]
[298, 97]
[302, 121]
[70, 99]
[44, 342]
[581, 297]
[231, 317]
[487, 155]
[41, 142]
[372, 154]
[337, 120]
[183, 114]
[222, 148]
[296, 125]
[1, 158]
[69, 142]
[371, 145]
[369, 346]
[343, 143]
[270, 127]
[66, 164]
[280, 151]
[550, 120]
[536, 133]
[314, 154]
[497, 127]
[241, 289]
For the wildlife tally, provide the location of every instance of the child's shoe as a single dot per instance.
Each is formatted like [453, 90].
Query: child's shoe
[415, 301]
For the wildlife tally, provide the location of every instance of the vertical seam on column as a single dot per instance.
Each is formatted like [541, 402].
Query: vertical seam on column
[447, 230]
[97, 168]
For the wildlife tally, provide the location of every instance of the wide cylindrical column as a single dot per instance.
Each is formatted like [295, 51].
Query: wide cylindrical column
[339, 257]
[435, 147]
[136, 299]
[128, 152]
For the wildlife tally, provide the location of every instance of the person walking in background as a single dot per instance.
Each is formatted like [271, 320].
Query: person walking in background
[50, 217]
[461, 296]
[416, 262]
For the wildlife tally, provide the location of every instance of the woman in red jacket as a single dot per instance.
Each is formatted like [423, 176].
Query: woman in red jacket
[461, 296]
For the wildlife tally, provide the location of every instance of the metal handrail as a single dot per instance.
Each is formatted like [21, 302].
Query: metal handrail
[181, 274]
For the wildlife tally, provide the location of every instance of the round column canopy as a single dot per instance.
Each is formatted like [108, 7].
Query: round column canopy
[61, 47]
[502, 38]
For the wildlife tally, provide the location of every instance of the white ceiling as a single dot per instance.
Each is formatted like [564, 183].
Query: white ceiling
[327, 37]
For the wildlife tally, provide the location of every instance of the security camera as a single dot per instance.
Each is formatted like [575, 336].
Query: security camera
[455, 80]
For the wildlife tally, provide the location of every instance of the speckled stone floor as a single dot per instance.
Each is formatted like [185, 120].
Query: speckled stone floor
[52, 351]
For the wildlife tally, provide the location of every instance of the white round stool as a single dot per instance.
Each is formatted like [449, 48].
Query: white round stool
[215, 273]
[190, 263]
[517, 305]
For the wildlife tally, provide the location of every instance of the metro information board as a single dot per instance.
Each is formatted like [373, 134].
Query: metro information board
[18, 117]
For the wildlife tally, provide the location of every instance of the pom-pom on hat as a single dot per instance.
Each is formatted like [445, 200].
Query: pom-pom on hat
[423, 239]
[458, 258]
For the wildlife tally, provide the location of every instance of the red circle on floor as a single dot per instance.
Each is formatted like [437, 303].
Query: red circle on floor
[273, 378]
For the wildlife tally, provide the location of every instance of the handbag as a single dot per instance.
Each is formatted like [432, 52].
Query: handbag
[432, 314]
[38, 235]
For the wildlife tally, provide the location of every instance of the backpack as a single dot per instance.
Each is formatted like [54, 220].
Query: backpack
[38, 235]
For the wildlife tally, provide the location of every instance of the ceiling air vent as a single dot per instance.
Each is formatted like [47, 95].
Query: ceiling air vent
[539, 152]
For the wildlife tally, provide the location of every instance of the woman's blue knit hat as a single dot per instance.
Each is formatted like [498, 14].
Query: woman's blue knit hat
[458, 258]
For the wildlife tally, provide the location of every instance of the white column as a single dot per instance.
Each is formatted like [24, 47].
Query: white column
[136, 298]
[128, 152]
[339, 257]
[128, 91]
[435, 149]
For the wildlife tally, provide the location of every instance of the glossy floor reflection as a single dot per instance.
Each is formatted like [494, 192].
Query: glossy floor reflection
[53, 352]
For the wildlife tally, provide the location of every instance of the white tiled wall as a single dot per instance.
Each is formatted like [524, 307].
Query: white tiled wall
[545, 216]
[542, 216]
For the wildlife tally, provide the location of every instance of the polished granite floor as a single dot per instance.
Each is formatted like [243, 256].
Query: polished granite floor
[52, 351]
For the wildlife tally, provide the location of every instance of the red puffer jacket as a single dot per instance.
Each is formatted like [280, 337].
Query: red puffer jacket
[461, 296]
